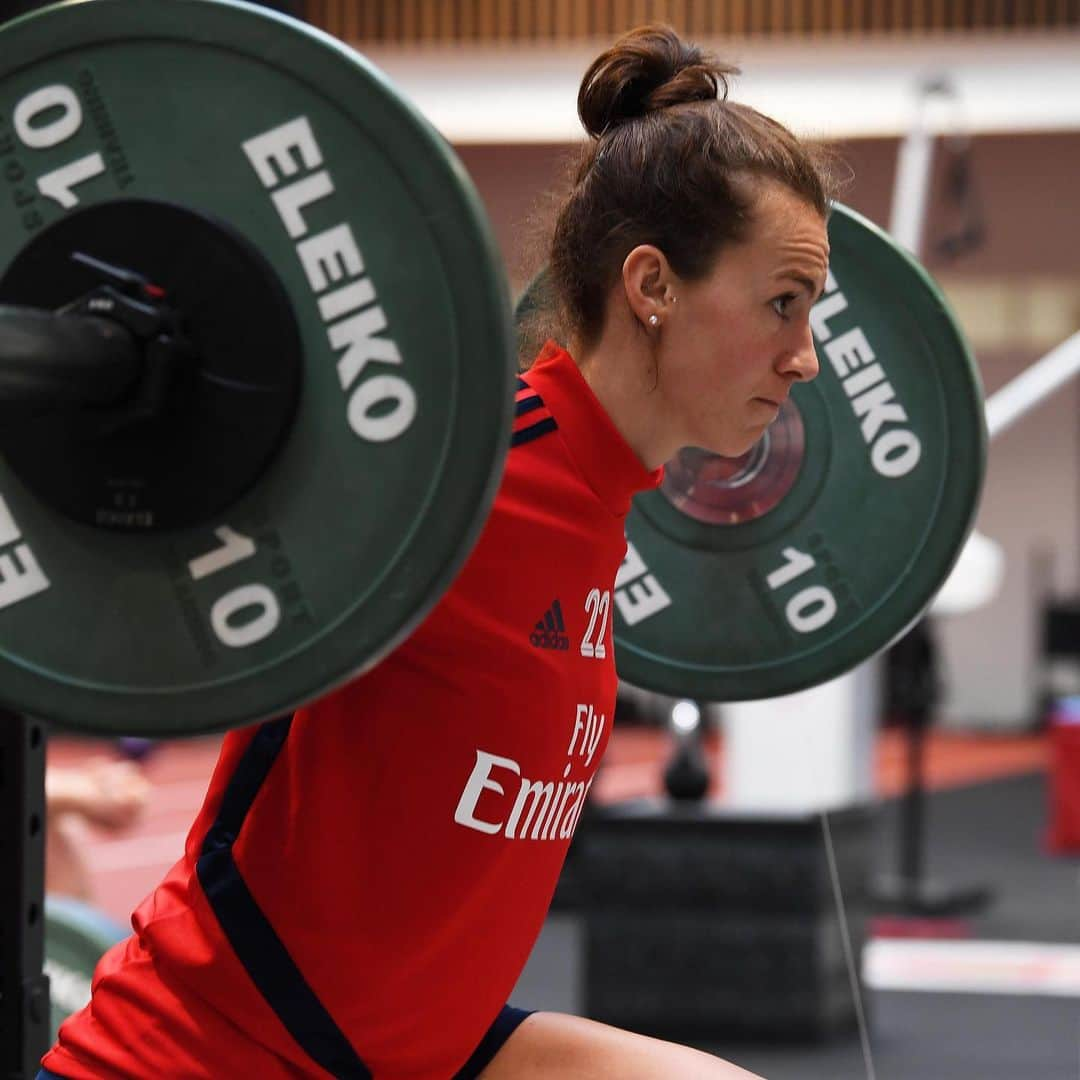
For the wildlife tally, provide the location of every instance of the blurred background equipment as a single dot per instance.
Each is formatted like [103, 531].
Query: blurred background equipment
[686, 776]
[77, 935]
[106, 795]
[975, 579]
[912, 692]
[1063, 830]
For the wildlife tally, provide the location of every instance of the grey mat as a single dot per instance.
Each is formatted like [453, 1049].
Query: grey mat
[993, 834]
[988, 834]
[940, 1037]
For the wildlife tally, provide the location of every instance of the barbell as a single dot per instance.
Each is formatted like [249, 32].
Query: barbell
[284, 416]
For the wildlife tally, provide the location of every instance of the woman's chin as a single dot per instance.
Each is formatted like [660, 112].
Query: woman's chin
[735, 446]
[730, 444]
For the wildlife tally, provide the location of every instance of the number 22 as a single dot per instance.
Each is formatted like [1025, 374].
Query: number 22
[598, 606]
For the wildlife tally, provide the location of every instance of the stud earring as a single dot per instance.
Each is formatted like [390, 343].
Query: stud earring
[654, 320]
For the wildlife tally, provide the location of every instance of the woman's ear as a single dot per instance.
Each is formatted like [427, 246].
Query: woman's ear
[648, 282]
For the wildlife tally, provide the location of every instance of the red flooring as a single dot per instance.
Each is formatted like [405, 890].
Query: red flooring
[126, 867]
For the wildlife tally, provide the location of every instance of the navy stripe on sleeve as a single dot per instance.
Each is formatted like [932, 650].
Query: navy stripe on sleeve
[526, 435]
[506, 1023]
[247, 929]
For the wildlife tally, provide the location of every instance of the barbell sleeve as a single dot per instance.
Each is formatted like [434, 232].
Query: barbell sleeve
[59, 361]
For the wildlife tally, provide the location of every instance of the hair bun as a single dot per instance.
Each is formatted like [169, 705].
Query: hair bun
[647, 69]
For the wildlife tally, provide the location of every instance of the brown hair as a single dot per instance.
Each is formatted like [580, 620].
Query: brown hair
[667, 164]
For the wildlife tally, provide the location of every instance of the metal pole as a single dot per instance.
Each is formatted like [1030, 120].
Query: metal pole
[913, 167]
[24, 988]
[1033, 385]
[911, 807]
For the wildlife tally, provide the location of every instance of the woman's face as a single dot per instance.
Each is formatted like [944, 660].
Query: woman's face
[733, 343]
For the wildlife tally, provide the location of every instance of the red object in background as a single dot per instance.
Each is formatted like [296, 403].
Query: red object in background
[913, 926]
[1063, 779]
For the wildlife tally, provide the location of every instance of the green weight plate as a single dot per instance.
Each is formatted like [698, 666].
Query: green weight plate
[375, 490]
[754, 577]
[76, 937]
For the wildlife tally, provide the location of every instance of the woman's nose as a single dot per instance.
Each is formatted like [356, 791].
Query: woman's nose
[802, 362]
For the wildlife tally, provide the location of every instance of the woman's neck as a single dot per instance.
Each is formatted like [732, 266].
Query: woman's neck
[621, 371]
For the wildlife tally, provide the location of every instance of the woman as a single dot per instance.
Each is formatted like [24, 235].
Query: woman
[365, 880]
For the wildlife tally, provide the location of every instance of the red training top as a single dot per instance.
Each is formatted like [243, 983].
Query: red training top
[365, 880]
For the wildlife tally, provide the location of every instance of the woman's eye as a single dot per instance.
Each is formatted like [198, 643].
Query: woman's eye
[780, 304]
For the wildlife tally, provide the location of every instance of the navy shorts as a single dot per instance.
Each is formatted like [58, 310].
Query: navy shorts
[505, 1025]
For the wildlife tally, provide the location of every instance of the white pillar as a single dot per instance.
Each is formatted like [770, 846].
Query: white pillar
[808, 751]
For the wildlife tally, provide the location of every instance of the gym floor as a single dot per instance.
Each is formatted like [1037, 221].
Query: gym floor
[1023, 1021]
[1010, 1011]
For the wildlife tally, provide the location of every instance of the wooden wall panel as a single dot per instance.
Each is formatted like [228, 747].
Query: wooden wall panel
[409, 22]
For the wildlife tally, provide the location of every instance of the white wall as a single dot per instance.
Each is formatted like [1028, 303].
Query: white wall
[1030, 506]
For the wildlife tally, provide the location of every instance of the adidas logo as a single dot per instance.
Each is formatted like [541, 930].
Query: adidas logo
[550, 631]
